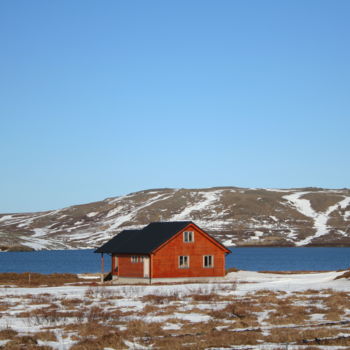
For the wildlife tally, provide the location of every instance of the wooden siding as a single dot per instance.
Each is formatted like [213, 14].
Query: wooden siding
[165, 261]
[127, 268]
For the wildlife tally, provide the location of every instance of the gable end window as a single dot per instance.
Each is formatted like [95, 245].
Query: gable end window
[184, 262]
[134, 259]
[188, 236]
[208, 261]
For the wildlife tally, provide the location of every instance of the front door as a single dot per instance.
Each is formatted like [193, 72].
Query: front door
[146, 266]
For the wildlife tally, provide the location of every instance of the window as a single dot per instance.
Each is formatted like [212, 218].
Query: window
[134, 259]
[184, 262]
[188, 236]
[208, 261]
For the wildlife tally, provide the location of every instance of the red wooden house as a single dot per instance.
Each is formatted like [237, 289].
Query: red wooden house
[164, 250]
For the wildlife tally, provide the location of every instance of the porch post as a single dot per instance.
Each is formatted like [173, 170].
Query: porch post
[102, 267]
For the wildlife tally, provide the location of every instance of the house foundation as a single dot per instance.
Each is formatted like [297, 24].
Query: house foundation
[129, 280]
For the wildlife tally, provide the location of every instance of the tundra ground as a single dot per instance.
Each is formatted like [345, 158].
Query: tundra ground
[248, 310]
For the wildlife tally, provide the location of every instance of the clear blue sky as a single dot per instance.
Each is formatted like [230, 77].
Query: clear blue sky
[103, 98]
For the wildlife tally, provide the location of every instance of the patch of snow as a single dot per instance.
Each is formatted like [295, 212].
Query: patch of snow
[92, 214]
[227, 242]
[39, 232]
[171, 326]
[287, 282]
[209, 198]
[36, 244]
[115, 223]
[5, 217]
[62, 216]
[258, 234]
[193, 317]
[28, 221]
[87, 276]
[292, 234]
[262, 316]
[277, 190]
[132, 345]
[302, 205]
[317, 317]
[113, 211]
[320, 218]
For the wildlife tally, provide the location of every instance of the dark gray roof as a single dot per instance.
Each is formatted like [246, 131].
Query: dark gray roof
[143, 241]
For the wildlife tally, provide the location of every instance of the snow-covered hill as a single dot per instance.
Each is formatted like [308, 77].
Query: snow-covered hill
[236, 216]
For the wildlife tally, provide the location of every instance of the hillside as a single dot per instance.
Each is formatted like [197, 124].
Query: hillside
[235, 216]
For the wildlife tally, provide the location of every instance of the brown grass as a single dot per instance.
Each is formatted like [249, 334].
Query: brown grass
[205, 297]
[204, 335]
[340, 341]
[283, 335]
[7, 333]
[288, 314]
[159, 299]
[236, 323]
[149, 309]
[90, 329]
[266, 300]
[71, 303]
[240, 312]
[46, 336]
[36, 279]
[231, 269]
[337, 300]
[138, 328]
[319, 332]
[344, 275]
[111, 339]
[25, 343]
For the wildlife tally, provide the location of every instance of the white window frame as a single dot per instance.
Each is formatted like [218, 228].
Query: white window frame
[183, 265]
[188, 236]
[211, 258]
[134, 259]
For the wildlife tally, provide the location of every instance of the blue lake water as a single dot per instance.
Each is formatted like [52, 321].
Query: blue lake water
[256, 259]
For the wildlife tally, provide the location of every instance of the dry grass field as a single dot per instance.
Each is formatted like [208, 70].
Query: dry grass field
[188, 316]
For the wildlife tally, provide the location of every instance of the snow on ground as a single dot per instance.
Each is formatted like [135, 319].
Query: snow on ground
[228, 243]
[320, 218]
[276, 190]
[87, 276]
[245, 282]
[5, 217]
[115, 223]
[249, 281]
[184, 311]
[302, 205]
[257, 235]
[204, 203]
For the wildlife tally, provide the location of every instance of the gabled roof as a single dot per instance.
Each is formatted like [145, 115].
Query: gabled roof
[143, 241]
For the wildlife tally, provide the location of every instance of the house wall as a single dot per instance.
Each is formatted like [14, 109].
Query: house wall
[126, 268]
[164, 262]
